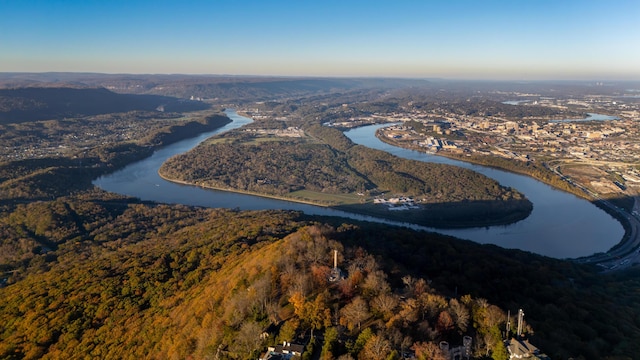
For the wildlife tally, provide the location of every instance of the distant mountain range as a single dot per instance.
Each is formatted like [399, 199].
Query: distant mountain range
[218, 87]
[26, 104]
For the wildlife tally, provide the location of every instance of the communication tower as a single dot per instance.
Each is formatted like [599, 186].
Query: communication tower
[336, 273]
[520, 322]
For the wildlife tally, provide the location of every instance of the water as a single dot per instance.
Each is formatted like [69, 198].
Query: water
[516, 102]
[590, 117]
[141, 180]
[560, 225]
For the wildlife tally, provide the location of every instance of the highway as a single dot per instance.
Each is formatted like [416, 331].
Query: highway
[627, 252]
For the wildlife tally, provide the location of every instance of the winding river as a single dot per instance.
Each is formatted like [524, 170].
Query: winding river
[561, 225]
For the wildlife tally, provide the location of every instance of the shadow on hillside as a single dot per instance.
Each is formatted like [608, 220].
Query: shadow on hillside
[32, 104]
[458, 214]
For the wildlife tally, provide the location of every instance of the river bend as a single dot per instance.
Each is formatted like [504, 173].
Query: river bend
[561, 225]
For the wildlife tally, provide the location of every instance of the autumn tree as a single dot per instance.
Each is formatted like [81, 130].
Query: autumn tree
[375, 283]
[408, 314]
[248, 340]
[428, 351]
[487, 320]
[330, 341]
[460, 315]
[354, 313]
[445, 322]
[354, 348]
[314, 314]
[288, 330]
[385, 305]
[431, 304]
[377, 347]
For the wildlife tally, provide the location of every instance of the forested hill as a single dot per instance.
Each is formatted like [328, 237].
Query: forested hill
[140, 281]
[32, 103]
[134, 281]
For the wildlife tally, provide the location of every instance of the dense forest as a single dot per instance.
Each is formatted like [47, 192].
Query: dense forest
[128, 280]
[273, 167]
[149, 283]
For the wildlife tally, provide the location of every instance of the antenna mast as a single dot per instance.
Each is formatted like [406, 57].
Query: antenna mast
[520, 321]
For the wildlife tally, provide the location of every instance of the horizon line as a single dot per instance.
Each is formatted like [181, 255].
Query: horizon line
[266, 76]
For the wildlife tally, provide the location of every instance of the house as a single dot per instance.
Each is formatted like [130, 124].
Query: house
[523, 349]
[284, 351]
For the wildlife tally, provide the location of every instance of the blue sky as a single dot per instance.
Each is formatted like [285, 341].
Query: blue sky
[474, 39]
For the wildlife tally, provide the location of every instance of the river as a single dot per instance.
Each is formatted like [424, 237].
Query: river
[590, 117]
[561, 225]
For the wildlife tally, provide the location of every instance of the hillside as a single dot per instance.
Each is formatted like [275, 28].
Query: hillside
[19, 105]
[158, 281]
[243, 89]
[182, 282]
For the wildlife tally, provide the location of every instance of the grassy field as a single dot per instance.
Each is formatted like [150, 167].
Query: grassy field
[218, 140]
[328, 199]
[263, 139]
[252, 141]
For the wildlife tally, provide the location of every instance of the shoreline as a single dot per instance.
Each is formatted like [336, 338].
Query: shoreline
[244, 192]
[320, 206]
[599, 203]
[471, 160]
[505, 220]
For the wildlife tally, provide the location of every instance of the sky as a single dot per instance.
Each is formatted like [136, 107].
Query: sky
[456, 39]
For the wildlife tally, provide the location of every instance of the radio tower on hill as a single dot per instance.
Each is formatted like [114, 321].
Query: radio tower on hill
[336, 273]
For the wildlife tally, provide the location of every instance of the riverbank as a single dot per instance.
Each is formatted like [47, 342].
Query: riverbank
[445, 216]
[238, 191]
[492, 163]
[318, 174]
[622, 248]
[437, 216]
[560, 225]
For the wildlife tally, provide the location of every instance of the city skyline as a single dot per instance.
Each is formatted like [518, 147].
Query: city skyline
[542, 40]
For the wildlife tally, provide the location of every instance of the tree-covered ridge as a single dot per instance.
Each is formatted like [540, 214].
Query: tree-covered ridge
[166, 282]
[432, 182]
[129, 267]
[31, 103]
[140, 281]
[274, 167]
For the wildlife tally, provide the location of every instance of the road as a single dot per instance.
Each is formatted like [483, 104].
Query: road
[627, 253]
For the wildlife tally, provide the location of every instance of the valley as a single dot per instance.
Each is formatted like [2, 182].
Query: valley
[88, 272]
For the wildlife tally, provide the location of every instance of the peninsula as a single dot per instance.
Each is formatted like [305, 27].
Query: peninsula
[320, 166]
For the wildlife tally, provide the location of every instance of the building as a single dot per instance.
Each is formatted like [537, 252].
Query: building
[523, 349]
[284, 351]
[519, 347]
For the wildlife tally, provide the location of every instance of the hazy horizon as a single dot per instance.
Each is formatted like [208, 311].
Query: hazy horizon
[463, 40]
